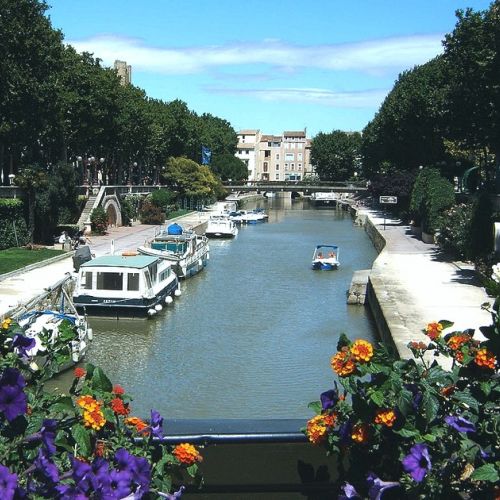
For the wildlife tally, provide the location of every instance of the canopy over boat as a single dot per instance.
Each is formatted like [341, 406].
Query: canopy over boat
[325, 257]
[174, 229]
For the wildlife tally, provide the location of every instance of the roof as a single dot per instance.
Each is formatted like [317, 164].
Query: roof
[247, 132]
[294, 134]
[270, 138]
[134, 262]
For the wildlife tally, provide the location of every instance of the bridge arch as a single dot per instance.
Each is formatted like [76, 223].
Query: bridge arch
[113, 210]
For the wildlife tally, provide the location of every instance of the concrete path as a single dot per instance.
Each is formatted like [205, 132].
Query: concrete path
[414, 285]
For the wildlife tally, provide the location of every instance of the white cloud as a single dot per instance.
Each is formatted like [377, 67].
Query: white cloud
[375, 56]
[360, 99]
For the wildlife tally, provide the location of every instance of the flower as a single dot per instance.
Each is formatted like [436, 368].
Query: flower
[13, 400]
[187, 454]
[385, 417]
[418, 462]
[362, 350]
[173, 496]
[8, 483]
[455, 342]
[118, 407]
[485, 359]
[496, 272]
[22, 345]
[79, 372]
[118, 390]
[349, 491]
[156, 424]
[460, 424]
[377, 486]
[329, 399]
[88, 403]
[136, 422]
[359, 433]
[317, 427]
[433, 330]
[342, 363]
[94, 419]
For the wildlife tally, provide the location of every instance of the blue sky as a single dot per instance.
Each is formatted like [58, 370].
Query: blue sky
[272, 65]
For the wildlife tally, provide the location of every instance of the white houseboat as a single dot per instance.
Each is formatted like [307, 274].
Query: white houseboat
[127, 284]
[221, 226]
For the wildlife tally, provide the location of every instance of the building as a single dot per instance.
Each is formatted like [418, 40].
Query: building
[124, 71]
[285, 157]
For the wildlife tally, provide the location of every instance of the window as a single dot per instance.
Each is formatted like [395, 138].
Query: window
[277, 166]
[289, 156]
[299, 156]
[299, 166]
[277, 176]
[267, 154]
[109, 281]
[292, 166]
[277, 156]
[86, 280]
[287, 145]
[133, 282]
[165, 274]
[265, 166]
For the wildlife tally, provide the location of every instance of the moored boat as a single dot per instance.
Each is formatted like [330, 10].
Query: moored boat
[187, 251]
[325, 258]
[221, 226]
[127, 284]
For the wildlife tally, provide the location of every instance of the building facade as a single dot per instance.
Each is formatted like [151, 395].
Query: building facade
[124, 71]
[285, 157]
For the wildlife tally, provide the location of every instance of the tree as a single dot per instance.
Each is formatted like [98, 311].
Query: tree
[228, 167]
[336, 156]
[218, 135]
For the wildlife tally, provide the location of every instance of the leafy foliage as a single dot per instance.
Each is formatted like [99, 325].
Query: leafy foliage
[13, 230]
[99, 220]
[227, 166]
[151, 213]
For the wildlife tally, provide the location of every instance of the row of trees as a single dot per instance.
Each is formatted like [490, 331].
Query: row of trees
[445, 113]
[59, 105]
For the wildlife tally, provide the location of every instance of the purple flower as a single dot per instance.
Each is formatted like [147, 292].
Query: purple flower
[8, 483]
[121, 483]
[348, 492]
[13, 401]
[460, 424]
[329, 399]
[48, 432]
[377, 486]
[23, 344]
[47, 469]
[156, 424]
[173, 496]
[418, 462]
[345, 430]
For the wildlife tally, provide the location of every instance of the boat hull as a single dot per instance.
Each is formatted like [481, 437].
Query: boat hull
[324, 266]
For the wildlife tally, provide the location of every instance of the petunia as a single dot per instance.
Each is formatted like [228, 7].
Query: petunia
[460, 424]
[48, 432]
[418, 462]
[348, 491]
[156, 424]
[173, 496]
[8, 483]
[121, 483]
[13, 401]
[377, 486]
[329, 399]
[22, 345]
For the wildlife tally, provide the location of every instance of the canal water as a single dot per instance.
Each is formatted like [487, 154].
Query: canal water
[253, 333]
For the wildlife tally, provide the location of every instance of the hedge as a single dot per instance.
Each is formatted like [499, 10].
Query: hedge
[13, 228]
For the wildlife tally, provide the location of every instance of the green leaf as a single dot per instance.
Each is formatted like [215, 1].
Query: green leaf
[430, 437]
[62, 406]
[486, 388]
[377, 397]
[315, 406]
[431, 406]
[82, 439]
[486, 472]
[446, 324]
[192, 470]
[100, 381]
[405, 402]
[467, 398]
[407, 432]
[343, 341]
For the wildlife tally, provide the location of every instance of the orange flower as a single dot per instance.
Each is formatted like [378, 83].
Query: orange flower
[118, 389]
[457, 341]
[79, 372]
[100, 449]
[485, 359]
[118, 407]
[433, 330]
[139, 424]
[88, 403]
[359, 433]
[94, 419]
[187, 454]
[459, 356]
[342, 363]
[448, 390]
[317, 427]
[385, 417]
[362, 350]
[418, 346]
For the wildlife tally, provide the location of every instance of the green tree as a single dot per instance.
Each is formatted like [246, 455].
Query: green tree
[218, 135]
[336, 156]
[227, 166]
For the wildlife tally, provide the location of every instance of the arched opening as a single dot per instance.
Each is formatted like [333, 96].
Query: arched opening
[112, 215]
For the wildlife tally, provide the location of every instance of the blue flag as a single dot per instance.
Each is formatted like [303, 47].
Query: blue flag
[206, 155]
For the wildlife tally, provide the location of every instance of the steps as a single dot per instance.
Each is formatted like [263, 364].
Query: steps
[85, 215]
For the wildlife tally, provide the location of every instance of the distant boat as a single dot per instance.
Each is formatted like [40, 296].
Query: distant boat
[127, 284]
[221, 226]
[324, 198]
[325, 258]
[248, 216]
[187, 251]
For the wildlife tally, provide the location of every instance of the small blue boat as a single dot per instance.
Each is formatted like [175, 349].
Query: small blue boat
[325, 258]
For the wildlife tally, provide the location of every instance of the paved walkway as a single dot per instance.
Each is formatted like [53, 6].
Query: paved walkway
[414, 285]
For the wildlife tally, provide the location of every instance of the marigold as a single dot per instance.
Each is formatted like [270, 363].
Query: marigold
[118, 407]
[79, 372]
[359, 433]
[94, 419]
[362, 350]
[136, 422]
[485, 359]
[318, 425]
[118, 389]
[342, 364]
[88, 403]
[433, 330]
[385, 417]
[457, 341]
[187, 454]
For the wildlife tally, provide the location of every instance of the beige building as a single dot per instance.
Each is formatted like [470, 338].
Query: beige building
[124, 71]
[285, 157]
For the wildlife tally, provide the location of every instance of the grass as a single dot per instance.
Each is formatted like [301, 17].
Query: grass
[16, 258]
[178, 213]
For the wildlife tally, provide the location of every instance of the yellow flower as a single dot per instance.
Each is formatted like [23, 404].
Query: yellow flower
[88, 403]
[342, 364]
[385, 417]
[187, 454]
[94, 419]
[359, 433]
[317, 427]
[362, 350]
[485, 359]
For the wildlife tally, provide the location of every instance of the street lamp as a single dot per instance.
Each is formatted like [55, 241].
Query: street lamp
[130, 171]
[100, 172]
[11, 179]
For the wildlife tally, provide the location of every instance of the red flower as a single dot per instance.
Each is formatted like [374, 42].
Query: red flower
[119, 408]
[79, 372]
[118, 389]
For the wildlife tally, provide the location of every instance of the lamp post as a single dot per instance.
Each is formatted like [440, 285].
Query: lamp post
[100, 172]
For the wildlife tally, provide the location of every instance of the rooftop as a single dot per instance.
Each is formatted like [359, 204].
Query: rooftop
[133, 261]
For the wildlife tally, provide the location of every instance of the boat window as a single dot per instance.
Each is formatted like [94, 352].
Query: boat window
[133, 281]
[148, 279]
[86, 280]
[165, 274]
[110, 281]
[153, 271]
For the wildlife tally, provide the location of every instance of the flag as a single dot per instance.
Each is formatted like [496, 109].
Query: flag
[206, 155]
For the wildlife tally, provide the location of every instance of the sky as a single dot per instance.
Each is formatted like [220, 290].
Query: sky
[272, 65]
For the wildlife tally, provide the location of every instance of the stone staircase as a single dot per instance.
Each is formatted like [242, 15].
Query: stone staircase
[85, 215]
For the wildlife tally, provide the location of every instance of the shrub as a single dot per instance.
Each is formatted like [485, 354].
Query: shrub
[85, 444]
[13, 228]
[411, 425]
[163, 198]
[454, 231]
[151, 214]
[99, 220]
[130, 207]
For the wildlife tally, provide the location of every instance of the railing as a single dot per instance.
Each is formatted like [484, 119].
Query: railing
[262, 186]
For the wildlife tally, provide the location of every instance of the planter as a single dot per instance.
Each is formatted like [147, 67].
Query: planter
[427, 237]
[416, 231]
